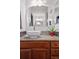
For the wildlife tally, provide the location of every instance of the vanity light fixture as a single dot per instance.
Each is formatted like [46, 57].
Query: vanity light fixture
[38, 3]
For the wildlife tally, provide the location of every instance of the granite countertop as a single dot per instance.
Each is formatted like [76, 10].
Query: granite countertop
[42, 37]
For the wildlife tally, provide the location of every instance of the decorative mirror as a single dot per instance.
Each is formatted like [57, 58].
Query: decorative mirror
[38, 16]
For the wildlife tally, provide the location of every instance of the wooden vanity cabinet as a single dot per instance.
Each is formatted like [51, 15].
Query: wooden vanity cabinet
[34, 50]
[54, 49]
[40, 54]
[25, 53]
[39, 49]
[54, 57]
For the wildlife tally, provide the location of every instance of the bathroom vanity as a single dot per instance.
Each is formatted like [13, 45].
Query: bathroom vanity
[37, 19]
[40, 48]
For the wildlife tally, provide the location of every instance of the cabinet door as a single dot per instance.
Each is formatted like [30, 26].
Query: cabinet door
[55, 57]
[25, 54]
[40, 54]
[54, 52]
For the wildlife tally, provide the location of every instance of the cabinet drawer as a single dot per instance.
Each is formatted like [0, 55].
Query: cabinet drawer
[54, 52]
[55, 44]
[54, 57]
[34, 44]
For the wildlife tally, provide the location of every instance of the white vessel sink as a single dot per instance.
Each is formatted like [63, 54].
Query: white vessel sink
[33, 34]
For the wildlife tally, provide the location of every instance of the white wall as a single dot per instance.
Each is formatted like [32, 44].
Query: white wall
[23, 12]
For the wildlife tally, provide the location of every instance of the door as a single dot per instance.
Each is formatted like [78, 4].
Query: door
[25, 54]
[55, 57]
[40, 54]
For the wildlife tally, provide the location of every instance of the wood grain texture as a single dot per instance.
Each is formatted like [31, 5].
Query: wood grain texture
[54, 44]
[25, 54]
[54, 52]
[54, 57]
[39, 49]
[40, 54]
[35, 44]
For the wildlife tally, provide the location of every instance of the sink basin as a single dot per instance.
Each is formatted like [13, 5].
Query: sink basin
[33, 34]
